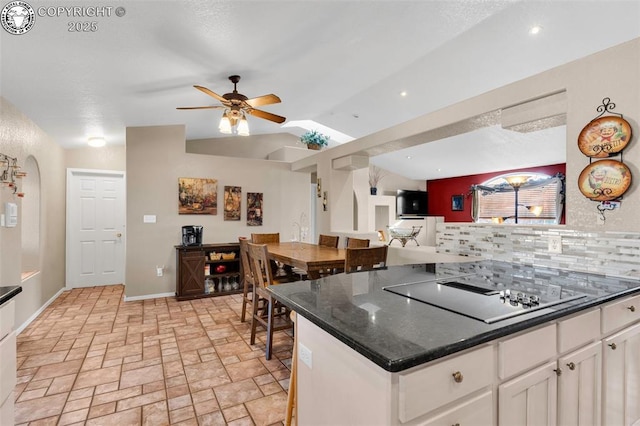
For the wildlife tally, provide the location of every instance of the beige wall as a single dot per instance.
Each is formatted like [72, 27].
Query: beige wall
[613, 73]
[20, 137]
[156, 158]
[104, 158]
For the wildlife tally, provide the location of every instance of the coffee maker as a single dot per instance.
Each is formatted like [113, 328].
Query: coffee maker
[192, 235]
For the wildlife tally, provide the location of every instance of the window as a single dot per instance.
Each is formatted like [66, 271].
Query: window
[540, 200]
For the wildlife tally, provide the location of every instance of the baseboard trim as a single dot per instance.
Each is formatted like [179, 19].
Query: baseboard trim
[39, 311]
[149, 296]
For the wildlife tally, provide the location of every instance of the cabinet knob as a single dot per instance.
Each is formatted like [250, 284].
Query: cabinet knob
[631, 308]
[613, 346]
[558, 371]
[457, 377]
[120, 235]
[571, 366]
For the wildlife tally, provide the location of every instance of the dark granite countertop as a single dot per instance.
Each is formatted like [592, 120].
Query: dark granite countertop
[397, 333]
[8, 293]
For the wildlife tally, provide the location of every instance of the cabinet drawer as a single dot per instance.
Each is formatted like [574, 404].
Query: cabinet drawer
[7, 365]
[578, 330]
[7, 318]
[477, 411]
[619, 314]
[426, 389]
[526, 351]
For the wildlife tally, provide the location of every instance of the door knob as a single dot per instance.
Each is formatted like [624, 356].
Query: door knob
[118, 235]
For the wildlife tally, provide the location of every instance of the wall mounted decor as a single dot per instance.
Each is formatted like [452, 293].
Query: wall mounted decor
[254, 209]
[9, 172]
[604, 180]
[319, 188]
[197, 196]
[232, 198]
[457, 203]
[325, 206]
[605, 136]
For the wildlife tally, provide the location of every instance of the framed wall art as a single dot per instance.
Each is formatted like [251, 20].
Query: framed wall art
[232, 199]
[254, 209]
[197, 196]
[457, 203]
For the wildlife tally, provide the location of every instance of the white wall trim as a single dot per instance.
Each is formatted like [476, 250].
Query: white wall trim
[39, 311]
[149, 296]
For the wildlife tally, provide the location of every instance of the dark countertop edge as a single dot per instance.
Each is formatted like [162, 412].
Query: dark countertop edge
[442, 351]
[8, 296]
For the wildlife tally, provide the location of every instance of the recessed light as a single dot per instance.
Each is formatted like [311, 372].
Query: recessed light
[403, 93]
[408, 157]
[439, 170]
[535, 29]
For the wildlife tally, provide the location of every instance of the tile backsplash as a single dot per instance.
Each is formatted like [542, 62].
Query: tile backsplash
[603, 253]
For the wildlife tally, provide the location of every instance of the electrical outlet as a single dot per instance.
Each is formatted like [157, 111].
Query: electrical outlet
[555, 244]
[305, 355]
[553, 291]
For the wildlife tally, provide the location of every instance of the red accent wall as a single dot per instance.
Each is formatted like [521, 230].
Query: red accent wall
[441, 190]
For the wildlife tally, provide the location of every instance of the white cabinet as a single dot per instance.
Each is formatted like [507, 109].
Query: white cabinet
[579, 386]
[476, 411]
[621, 377]
[426, 389]
[529, 399]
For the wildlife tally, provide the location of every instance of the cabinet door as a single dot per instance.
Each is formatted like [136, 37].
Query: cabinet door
[621, 377]
[579, 386]
[191, 282]
[529, 399]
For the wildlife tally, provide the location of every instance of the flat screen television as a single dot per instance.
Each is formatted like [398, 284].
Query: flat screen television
[411, 203]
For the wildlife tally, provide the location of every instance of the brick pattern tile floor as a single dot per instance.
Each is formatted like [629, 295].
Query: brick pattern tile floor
[92, 359]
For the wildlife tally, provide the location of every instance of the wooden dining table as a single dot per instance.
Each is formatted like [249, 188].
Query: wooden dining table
[311, 258]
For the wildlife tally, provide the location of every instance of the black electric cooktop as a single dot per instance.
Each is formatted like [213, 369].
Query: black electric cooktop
[482, 304]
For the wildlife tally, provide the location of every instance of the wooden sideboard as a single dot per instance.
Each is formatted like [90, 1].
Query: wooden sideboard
[208, 270]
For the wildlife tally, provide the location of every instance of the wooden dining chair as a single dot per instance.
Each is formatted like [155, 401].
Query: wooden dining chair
[328, 240]
[356, 243]
[267, 311]
[247, 277]
[365, 258]
[265, 238]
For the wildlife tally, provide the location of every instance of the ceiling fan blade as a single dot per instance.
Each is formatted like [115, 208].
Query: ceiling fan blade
[203, 107]
[210, 93]
[263, 100]
[266, 115]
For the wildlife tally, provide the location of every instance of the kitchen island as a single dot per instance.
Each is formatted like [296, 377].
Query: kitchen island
[370, 356]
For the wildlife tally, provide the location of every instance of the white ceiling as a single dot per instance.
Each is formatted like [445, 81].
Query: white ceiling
[339, 63]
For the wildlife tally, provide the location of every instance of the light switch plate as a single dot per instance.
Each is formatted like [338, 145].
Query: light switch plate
[305, 355]
[149, 218]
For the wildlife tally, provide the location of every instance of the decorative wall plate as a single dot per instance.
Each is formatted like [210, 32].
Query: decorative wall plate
[604, 136]
[604, 180]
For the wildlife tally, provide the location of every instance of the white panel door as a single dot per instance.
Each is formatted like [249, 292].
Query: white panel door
[621, 378]
[95, 228]
[529, 399]
[579, 386]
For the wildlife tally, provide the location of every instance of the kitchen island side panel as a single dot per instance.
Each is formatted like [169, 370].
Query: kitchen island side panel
[341, 386]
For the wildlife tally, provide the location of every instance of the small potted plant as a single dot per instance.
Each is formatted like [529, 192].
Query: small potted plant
[314, 139]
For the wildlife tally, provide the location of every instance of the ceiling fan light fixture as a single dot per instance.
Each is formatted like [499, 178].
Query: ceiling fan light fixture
[225, 124]
[243, 126]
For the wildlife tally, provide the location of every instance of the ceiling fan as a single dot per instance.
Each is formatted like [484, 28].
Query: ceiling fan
[236, 105]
